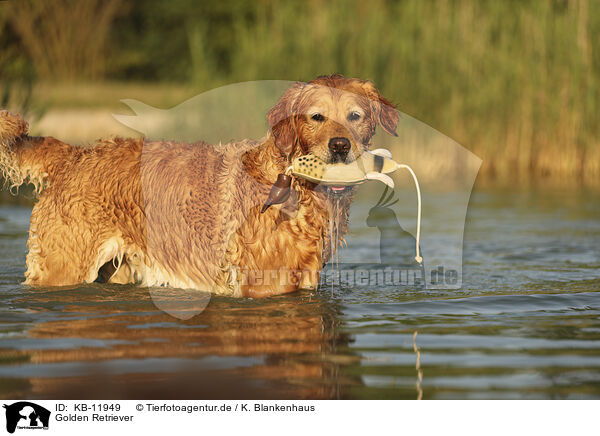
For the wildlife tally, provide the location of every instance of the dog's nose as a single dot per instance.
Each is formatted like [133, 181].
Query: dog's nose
[339, 148]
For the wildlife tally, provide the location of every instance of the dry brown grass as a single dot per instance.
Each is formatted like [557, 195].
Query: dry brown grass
[66, 38]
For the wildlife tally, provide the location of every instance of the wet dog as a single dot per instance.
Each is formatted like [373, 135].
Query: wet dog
[160, 213]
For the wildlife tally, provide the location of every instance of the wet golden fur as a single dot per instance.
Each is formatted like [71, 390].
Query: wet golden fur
[188, 215]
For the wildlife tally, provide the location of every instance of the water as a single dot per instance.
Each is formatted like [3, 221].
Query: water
[525, 324]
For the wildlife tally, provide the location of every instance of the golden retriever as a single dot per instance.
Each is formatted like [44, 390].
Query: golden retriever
[186, 215]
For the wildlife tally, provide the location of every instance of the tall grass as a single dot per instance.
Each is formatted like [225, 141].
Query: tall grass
[517, 82]
[64, 38]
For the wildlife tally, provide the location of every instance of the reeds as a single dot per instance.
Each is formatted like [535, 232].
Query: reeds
[65, 38]
[516, 82]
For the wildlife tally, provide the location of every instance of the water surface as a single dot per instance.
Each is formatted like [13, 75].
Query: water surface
[524, 324]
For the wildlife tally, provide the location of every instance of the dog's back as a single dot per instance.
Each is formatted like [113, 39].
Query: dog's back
[152, 212]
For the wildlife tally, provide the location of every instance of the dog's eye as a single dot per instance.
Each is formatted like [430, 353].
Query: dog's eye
[318, 117]
[353, 116]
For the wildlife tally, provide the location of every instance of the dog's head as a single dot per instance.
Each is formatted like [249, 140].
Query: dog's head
[332, 117]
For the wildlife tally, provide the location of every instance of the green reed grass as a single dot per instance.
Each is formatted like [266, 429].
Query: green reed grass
[516, 82]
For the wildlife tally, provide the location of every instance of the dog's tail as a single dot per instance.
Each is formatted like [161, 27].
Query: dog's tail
[22, 158]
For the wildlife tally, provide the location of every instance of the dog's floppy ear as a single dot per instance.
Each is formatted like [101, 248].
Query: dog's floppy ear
[283, 119]
[384, 112]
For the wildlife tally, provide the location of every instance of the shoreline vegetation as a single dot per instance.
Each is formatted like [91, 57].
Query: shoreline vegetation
[82, 113]
[516, 83]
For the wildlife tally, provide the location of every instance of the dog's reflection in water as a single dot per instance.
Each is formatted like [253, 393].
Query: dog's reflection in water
[397, 247]
[283, 347]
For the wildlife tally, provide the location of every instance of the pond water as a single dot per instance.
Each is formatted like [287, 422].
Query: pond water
[524, 324]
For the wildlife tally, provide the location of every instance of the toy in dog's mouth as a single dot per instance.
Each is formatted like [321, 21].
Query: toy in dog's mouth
[335, 179]
[338, 179]
[371, 165]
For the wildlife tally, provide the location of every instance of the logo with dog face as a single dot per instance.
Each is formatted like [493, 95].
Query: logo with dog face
[26, 415]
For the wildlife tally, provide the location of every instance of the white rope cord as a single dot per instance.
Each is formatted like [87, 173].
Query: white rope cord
[418, 257]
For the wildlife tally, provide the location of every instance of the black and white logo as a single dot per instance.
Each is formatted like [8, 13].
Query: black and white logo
[26, 415]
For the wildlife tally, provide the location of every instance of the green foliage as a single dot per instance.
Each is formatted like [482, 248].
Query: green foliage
[16, 72]
[511, 80]
[65, 39]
